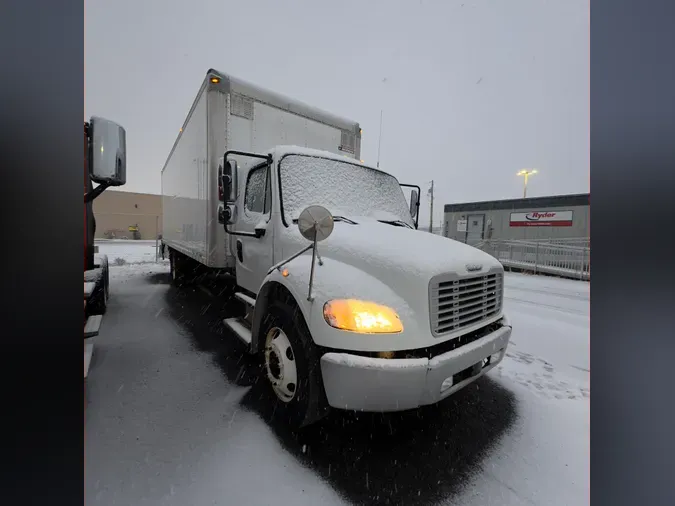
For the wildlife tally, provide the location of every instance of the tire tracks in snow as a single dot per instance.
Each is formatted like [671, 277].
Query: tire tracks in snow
[540, 376]
[549, 306]
[563, 295]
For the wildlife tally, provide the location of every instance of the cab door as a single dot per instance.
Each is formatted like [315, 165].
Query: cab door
[255, 255]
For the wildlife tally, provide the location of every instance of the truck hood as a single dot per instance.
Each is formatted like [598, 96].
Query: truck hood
[385, 251]
[386, 264]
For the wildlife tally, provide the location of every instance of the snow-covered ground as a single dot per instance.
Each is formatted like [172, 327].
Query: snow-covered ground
[543, 458]
[121, 252]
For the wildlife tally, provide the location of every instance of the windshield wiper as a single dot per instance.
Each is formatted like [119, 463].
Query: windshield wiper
[346, 220]
[337, 218]
[396, 223]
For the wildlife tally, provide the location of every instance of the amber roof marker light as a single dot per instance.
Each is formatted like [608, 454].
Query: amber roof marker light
[215, 80]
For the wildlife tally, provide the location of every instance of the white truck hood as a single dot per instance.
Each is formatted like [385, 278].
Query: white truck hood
[380, 248]
[386, 264]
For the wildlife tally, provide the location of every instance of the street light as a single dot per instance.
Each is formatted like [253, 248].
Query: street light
[527, 173]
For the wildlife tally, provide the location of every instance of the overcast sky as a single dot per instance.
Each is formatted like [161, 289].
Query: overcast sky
[471, 90]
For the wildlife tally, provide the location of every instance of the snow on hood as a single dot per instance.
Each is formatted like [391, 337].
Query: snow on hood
[384, 250]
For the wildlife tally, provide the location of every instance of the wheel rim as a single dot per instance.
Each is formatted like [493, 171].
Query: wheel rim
[280, 364]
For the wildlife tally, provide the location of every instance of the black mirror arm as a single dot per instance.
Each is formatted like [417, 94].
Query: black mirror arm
[417, 216]
[257, 234]
[90, 196]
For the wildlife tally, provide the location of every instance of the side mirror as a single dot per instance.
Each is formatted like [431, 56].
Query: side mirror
[108, 155]
[414, 201]
[228, 180]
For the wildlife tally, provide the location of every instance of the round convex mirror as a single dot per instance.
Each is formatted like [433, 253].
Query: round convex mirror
[315, 219]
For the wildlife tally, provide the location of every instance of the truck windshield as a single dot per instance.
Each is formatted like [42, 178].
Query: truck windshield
[344, 188]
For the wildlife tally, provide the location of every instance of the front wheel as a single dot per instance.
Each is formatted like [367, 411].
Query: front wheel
[98, 301]
[106, 276]
[291, 366]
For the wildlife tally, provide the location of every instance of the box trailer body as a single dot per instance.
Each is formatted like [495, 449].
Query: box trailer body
[230, 114]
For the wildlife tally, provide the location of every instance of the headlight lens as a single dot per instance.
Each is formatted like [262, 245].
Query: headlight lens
[361, 316]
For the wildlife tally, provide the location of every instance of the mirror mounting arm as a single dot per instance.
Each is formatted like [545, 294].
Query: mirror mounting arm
[267, 158]
[257, 234]
[90, 196]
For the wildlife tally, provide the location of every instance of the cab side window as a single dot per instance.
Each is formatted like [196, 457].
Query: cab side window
[254, 199]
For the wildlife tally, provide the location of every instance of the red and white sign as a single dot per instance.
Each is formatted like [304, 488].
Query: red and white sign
[542, 219]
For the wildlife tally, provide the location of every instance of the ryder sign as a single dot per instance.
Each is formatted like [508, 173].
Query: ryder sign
[542, 219]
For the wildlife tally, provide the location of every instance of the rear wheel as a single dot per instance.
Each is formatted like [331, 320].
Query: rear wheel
[291, 367]
[184, 270]
[176, 264]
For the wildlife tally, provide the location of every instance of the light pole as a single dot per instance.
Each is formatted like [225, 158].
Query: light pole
[527, 173]
[430, 194]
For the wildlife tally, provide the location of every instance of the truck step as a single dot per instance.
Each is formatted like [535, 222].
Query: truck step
[88, 289]
[92, 326]
[245, 298]
[88, 352]
[240, 328]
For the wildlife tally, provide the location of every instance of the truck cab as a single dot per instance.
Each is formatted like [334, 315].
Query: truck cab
[377, 316]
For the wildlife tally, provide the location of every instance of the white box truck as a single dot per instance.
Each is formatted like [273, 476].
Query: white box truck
[346, 304]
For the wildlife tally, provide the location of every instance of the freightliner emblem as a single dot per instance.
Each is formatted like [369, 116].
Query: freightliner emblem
[473, 267]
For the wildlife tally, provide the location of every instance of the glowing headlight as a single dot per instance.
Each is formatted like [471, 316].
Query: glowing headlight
[361, 316]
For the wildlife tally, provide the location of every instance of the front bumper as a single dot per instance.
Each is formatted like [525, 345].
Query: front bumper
[361, 383]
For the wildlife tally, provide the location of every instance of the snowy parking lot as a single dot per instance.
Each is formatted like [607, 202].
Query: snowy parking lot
[173, 415]
[121, 252]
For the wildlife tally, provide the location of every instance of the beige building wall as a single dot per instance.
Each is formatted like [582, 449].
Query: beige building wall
[116, 211]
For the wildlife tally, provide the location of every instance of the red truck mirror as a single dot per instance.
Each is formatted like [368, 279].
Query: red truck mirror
[108, 152]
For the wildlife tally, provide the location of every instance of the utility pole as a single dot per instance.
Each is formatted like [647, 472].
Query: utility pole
[379, 141]
[431, 215]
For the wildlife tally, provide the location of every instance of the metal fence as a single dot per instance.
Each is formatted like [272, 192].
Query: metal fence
[566, 260]
[581, 242]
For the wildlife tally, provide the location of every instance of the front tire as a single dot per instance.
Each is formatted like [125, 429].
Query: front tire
[98, 301]
[106, 277]
[291, 367]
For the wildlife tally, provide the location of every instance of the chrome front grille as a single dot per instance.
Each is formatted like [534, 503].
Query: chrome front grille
[456, 303]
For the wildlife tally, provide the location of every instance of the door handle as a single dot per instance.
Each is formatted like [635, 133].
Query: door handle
[240, 251]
